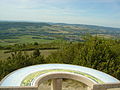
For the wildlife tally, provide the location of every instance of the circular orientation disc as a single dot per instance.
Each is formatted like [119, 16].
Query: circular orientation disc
[28, 76]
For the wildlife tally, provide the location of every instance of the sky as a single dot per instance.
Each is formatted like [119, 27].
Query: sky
[92, 12]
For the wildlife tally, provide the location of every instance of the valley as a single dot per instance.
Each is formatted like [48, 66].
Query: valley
[29, 32]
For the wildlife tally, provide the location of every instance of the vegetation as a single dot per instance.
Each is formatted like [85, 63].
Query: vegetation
[25, 43]
[98, 53]
[28, 32]
[19, 60]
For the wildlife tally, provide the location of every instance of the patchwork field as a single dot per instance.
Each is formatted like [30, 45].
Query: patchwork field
[28, 32]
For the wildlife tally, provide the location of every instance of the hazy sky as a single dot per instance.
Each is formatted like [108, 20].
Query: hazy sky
[95, 12]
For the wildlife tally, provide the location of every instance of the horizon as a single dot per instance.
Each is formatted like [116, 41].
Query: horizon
[89, 12]
[59, 23]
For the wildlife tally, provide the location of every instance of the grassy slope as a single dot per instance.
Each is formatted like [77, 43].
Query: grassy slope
[23, 39]
[11, 33]
[4, 56]
[45, 53]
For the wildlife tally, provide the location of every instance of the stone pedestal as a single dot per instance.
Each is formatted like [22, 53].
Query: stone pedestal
[56, 84]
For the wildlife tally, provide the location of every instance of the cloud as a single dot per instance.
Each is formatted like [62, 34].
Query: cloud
[102, 1]
[102, 12]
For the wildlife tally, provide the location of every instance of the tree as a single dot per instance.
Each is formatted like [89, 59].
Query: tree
[98, 53]
[35, 43]
[36, 53]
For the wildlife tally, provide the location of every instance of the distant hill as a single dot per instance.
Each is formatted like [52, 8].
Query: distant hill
[27, 32]
[7, 25]
[87, 26]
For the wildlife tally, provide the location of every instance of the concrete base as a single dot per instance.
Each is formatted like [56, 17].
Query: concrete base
[56, 84]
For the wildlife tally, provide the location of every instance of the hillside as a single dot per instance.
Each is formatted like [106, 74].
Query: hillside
[29, 32]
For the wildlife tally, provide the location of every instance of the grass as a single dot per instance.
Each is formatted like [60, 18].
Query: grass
[29, 39]
[59, 31]
[104, 36]
[23, 39]
[4, 56]
[45, 53]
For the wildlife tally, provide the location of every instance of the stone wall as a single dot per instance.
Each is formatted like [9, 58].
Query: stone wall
[111, 86]
[18, 88]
